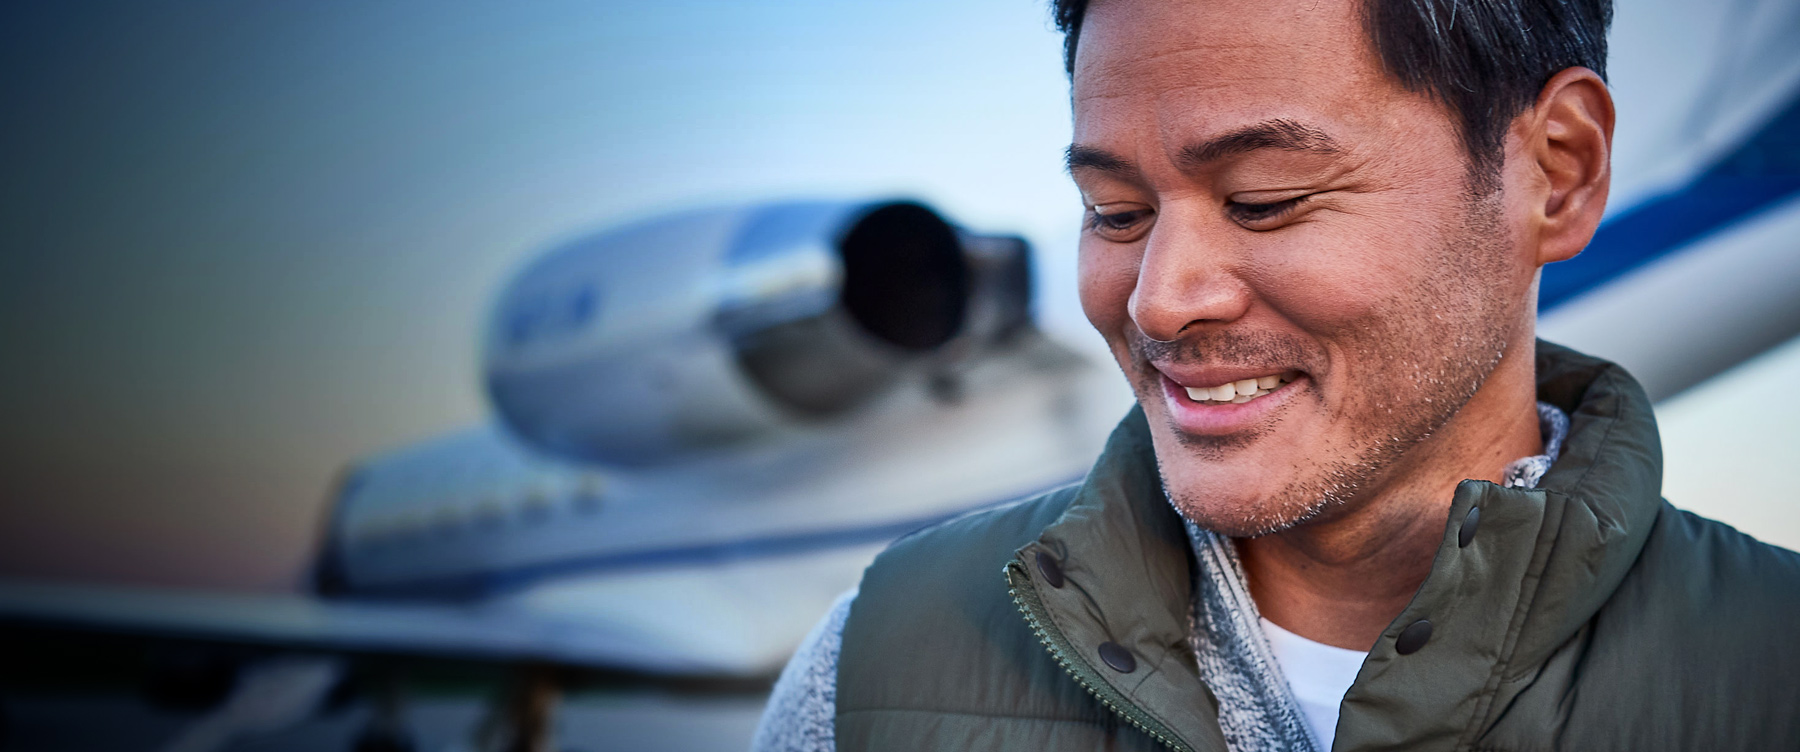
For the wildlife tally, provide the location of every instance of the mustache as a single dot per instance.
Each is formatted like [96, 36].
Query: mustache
[1223, 348]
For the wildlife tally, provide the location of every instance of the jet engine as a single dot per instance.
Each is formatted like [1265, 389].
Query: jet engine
[705, 329]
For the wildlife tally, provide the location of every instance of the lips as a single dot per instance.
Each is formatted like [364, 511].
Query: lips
[1219, 403]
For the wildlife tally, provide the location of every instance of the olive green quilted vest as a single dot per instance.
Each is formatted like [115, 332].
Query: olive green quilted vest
[1583, 614]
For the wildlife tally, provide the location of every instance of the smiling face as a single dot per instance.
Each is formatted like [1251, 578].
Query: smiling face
[1285, 253]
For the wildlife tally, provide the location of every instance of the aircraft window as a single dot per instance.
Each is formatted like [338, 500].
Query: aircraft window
[589, 495]
[537, 507]
[448, 521]
[550, 313]
[490, 513]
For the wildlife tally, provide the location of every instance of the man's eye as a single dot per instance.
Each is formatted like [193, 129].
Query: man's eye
[1258, 214]
[1117, 222]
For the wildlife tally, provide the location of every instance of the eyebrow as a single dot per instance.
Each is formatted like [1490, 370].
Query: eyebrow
[1281, 133]
[1081, 157]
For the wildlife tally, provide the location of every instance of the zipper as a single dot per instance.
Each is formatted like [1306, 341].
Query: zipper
[1026, 598]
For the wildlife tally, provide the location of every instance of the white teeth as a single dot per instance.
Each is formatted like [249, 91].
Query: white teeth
[1237, 392]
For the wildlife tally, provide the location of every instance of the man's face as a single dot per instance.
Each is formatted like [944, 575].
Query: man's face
[1270, 213]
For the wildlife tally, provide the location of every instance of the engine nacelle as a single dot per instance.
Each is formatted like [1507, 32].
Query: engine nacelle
[704, 329]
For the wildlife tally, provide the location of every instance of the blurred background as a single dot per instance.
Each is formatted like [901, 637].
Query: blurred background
[259, 262]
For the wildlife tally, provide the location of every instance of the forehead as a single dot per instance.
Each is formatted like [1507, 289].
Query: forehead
[1212, 65]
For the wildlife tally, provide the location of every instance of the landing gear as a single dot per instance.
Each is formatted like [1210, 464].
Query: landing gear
[375, 740]
[387, 731]
[524, 720]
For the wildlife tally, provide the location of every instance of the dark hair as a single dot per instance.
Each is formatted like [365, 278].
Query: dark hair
[1485, 60]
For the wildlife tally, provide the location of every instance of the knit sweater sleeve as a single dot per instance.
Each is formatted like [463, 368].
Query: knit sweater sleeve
[802, 709]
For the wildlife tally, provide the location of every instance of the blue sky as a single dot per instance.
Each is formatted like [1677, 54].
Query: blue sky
[251, 242]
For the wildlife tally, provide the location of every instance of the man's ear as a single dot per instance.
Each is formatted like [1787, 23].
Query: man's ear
[1568, 144]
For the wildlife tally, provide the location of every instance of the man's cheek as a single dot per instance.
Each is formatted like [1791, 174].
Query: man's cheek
[1105, 284]
[1325, 301]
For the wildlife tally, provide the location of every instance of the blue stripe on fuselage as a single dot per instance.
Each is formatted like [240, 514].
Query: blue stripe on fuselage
[493, 582]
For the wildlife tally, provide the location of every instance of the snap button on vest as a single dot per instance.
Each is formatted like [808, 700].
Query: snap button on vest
[1050, 569]
[1470, 523]
[1117, 657]
[1413, 637]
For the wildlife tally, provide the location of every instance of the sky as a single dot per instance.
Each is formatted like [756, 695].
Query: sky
[248, 243]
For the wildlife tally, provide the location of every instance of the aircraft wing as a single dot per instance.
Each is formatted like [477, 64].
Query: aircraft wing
[489, 632]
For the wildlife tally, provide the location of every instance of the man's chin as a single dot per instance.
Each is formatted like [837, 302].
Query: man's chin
[1243, 518]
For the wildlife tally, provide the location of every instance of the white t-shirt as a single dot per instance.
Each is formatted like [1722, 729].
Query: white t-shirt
[1318, 674]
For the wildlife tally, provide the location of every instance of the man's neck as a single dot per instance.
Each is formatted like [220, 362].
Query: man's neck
[1342, 578]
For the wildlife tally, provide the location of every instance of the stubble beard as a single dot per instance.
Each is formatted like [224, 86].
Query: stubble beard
[1445, 338]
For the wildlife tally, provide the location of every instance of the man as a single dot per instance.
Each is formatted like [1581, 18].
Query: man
[1359, 506]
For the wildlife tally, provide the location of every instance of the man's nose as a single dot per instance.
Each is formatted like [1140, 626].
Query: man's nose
[1189, 277]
